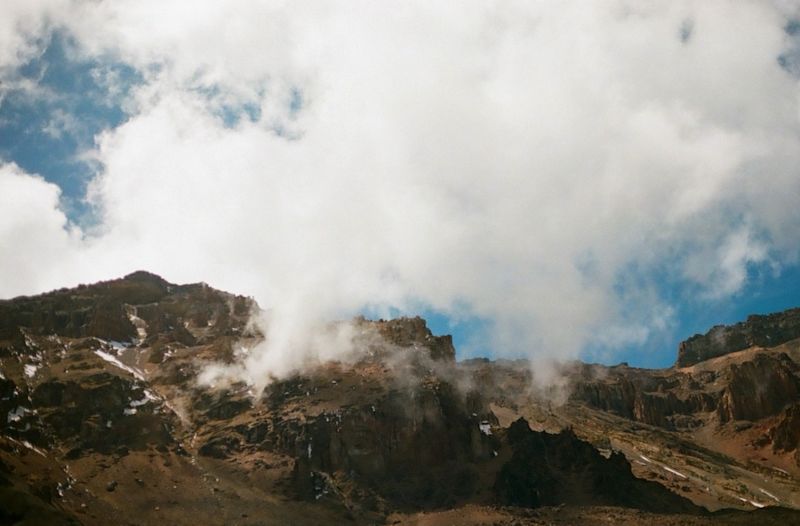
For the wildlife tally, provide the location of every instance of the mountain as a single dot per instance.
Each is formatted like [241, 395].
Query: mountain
[106, 422]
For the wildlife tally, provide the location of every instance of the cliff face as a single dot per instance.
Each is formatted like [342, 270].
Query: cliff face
[574, 471]
[653, 397]
[760, 331]
[105, 421]
[754, 389]
[759, 388]
[740, 403]
[414, 331]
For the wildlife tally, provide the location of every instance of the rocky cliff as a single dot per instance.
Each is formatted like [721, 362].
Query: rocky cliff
[105, 421]
[757, 331]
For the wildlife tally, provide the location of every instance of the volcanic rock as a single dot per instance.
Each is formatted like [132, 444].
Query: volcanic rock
[762, 331]
[99, 387]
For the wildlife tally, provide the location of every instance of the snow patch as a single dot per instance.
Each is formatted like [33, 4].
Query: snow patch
[29, 343]
[752, 502]
[15, 415]
[675, 472]
[148, 397]
[30, 370]
[485, 428]
[119, 346]
[128, 411]
[33, 448]
[768, 494]
[140, 324]
[115, 362]
[137, 403]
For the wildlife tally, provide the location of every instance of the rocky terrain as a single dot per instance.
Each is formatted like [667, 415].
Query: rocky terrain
[106, 423]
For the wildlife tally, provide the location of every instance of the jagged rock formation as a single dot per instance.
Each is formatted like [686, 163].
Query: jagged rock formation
[757, 331]
[552, 469]
[747, 389]
[759, 388]
[414, 331]
[785, 434]
[105, 422]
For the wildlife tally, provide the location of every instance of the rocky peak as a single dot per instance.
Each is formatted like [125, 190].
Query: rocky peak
[414, 332]
[143, 276]
[137, 306]
[105, 421]
[758, 330]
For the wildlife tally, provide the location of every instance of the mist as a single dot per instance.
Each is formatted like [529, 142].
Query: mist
[550, 168]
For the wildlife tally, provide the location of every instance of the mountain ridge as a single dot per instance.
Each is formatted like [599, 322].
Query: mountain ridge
[105, 418]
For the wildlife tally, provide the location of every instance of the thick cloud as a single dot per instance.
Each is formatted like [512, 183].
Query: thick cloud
[38, 247]
[546, 167]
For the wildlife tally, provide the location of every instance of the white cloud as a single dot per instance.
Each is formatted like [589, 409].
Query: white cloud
[513, 161]
[23, 29]
[723, 271]
[61, 123]
[38, 246]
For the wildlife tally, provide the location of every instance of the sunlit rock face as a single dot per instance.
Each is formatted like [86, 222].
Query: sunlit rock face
[760, 331]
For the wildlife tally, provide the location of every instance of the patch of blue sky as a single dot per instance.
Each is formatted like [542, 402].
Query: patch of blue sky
[46, 131]
[764, 291]
[295, 102]
[232, 115]
[233, 112]
[228, 109]
[789, 60]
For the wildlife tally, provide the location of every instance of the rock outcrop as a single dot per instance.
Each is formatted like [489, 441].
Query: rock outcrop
[759, 388]
[406, 332]
[650, 397]
[762, 331]
[106, 421]
[785, 435]
[554, 469]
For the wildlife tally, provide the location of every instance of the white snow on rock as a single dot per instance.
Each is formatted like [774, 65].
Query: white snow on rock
[752, 502]
[675, 472]
[30, 370]
[768, 494]
[485, 428]
[27, 445]
[16, 414]
[140, 324]
[119, 346]
[148, 397]
[115, 362]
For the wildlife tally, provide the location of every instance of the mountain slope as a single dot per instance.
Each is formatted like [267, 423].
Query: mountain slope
[105, 421]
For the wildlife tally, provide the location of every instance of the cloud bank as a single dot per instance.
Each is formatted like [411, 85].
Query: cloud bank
[546, 167]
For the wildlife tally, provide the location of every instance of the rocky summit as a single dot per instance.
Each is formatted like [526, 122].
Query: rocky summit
[105, 422]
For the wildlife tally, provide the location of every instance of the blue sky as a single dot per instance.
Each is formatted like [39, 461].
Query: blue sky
[49, 132]
[541, 183]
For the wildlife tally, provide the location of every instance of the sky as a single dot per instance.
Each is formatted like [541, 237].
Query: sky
[552, 179]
